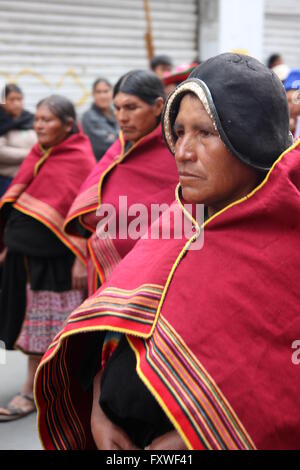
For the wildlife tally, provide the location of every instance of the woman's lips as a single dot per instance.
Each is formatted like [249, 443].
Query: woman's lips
[191, 175]
[128, 129]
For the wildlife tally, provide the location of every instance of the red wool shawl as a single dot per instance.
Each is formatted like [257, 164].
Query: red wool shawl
[47, 183]
[146, 174]
[212, 329]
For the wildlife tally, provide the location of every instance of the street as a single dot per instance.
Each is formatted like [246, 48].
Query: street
[20, 434]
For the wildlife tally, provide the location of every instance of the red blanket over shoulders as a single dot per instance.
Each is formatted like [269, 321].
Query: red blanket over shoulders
[145, 174]
[213, 330]
[48, 182]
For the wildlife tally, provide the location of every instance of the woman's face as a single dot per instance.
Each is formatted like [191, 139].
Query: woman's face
[135, 117]
[103, 96]
[209, 174]
[14, 104]
[49, 128]
[293, 97]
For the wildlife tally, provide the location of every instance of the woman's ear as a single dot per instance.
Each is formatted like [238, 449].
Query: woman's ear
[158, 106]
[69, 125]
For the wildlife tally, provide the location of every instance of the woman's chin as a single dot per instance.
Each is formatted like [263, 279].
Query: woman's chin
[190, 195]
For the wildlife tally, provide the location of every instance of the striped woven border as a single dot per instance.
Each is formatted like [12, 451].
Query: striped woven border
[12, 193]
[105, 256]
[126, 311]
[138, 305]
[53, 220]
[62, 422]
[179, 382]
[84, 203]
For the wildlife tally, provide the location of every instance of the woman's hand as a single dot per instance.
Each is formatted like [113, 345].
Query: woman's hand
[3, 255]
[79, 275]
[169, 441]
[107, 435]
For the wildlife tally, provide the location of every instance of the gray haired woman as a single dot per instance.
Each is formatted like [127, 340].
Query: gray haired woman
[44, 270]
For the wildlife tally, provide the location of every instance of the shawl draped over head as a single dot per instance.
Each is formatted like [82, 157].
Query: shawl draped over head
[8, 123]
[213, 330]
[244, 99]
[47, 183]
[146, 174]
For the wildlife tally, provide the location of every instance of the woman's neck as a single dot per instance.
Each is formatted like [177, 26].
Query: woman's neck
[107, 111]
[212, 210]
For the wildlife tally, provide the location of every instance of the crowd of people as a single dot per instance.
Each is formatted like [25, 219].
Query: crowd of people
[145, 343]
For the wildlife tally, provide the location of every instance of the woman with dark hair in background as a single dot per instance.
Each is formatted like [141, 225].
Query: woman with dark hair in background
[17, 136]
[274, 60]
[206, 357]
[44, 274]
[161, 65]
[137, 166]
[99, 122]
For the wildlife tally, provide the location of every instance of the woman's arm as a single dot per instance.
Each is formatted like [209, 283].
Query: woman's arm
[3, 255]
[107, 435]
[11, 155]
[79, 275]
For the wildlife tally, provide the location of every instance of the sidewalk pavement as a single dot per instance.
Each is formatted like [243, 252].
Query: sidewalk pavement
[20, 434]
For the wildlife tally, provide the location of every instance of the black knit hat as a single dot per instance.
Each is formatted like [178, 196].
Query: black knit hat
[247, 103]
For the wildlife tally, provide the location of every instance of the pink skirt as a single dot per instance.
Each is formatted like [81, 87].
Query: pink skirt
[45, 317]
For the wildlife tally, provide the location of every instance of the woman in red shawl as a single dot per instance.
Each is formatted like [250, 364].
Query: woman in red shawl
[44, 271]
[202, 356]
[138, 167]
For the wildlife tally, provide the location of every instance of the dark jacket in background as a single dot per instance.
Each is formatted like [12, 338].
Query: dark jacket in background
[101, 130]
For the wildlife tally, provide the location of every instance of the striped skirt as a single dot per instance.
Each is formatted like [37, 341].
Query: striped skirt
[45, 317]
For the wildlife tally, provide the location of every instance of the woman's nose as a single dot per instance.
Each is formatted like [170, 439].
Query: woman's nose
[38, 125]
[184, 149]
[123, 116]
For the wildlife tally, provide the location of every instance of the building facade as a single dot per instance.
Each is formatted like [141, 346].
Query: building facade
[61, 46]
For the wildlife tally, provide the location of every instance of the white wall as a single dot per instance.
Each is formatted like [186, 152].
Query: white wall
[229, 25]
[242, 26]
[208, 28]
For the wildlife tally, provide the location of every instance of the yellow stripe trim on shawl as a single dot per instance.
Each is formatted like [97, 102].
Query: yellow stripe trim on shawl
[122, 156]
[195, 236]
[76, 251]
[158, 398]
[41, 160]
[245, 198]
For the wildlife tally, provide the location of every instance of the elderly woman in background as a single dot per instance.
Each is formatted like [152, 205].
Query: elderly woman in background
[99, 122]
[44, 274]
[138, 167]
[17, 136]
[204, 358]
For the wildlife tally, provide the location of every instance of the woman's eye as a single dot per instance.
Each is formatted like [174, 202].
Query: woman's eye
[205, 133]
[179, 133]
